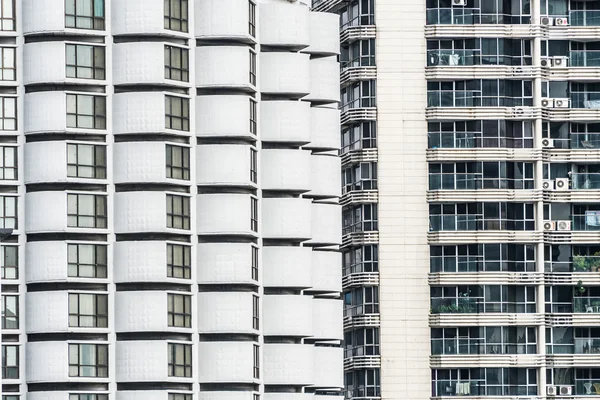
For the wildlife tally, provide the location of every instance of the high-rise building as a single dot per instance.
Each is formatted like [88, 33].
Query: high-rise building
[471, 182]
[170, 171]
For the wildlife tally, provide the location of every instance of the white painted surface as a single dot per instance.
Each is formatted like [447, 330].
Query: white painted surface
[285, 73]
[223, 116]
[140, 63]
[286, 169]
[327, 319]
[325, 220]
[221, 164]
[221, 19]
[326, 271]
[140, 261]
[286, 121]
[142, 212]
[287, 266]
[46, 261]
[225, 312]
[324, 128]
[284, 24]
[288, 364]
[143, 311]
[328, 371]
[47, 362]
[139, 17]
[324, 83]
[224, 263]
[209, 67]
[43, 16]
[142, 361]
[37, 205]
[48, 312]
[223, 213]
[225, 362]
[325, 175]
[46, 161]
[286, 218]
[287, 315]
[139, 112]
[324, 33]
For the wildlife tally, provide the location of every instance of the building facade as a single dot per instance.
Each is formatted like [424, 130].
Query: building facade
[470, 162]
[170, 171]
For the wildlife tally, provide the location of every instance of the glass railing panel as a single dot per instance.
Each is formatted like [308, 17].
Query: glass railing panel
[584, 18]
[583, 181]
[585, 140]
[586, 305]
[588, 222]
[584, 58]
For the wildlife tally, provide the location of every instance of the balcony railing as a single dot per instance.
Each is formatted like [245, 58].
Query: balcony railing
[474, 305]
[478, 346]
[470, 16]
[473, 98]
[579, 264]
[585, 181]
[584, 58]
[588, 222]
[470, 222]
[452, 387]
[584, 18]
[586, 305]
[471, 140]
[362, 309]
[359, 351]
[585, 140]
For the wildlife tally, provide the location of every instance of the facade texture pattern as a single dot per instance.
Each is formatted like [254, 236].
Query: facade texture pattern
[170, 171]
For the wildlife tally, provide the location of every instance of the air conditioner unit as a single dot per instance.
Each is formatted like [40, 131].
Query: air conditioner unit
[548, 143]
[548, 184]
[549, 225]
[546, 62]
[551, 390]
[560, 61]
[565, 390]
[459, 2]
[562, 103]
[561, 21]
[561, 184]
[547, 102]
[563, 225]
[548, 21]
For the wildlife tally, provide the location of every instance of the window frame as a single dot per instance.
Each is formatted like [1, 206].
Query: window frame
[256, 362]
[173, 171]
[253, 165]
[186, 256]
[255, 312]
[100, 219]
[6, 266]
[173, 367]
[4, 21]
[97, 22]
[179, 316]
[183, 20]
[99, 315]
[8, 123]
[178, 221]
[252, 67]
[8, 370]
[172, 119]
[184, 59]
[3, 309]
[254, 263]
[98, 118]
[4, 69]
[100, 370]
[98, 53]
[252, 18]
[9, 218]
[88, 396]
[98, 156]
[5, 155]
[253, 117]
[100, 251]
[254, 214]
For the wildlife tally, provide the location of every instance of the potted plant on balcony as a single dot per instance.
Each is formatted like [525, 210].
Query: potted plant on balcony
[579, 290]
[579, 264]
[595, 262]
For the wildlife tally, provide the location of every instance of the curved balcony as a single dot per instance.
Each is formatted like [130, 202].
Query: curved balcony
[326, 271]
[326, 222]
[284, 25]
[287, 266]
[285, 74]
[287, 315]
[325, 176]
[144, 394]
[226, 362]
[324, 128]
[141, 17]
[143, 311]
[210, 73]
[225, 116]
[147, 212]
[327, 320]
[324, 34]
[286, 170]
[286, 218]
[329, 369]
[143, 361]
[225, 263]
[353, 73]
[351, 115]
[222, 20]
[224, 214]
[48, 17]
[226, 312]
[294, 396]
[286, 121]
[352, 32]
[144, 261]
[144, 113]
[288, 364]
[324, 80]
[224, 165]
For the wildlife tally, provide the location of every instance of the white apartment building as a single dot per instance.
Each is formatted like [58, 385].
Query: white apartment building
[471, 197]
[170, 172]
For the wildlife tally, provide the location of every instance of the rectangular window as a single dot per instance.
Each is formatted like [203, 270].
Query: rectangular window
[10, 262]
[176, 15]
[8, 212]
[8, 114]
[84, 14]
[87, 396]
[180, 360]
[178, 212]
[180, 396]
[86, 111]
[254, 214]
[179, 261]
[178, 162]
[87, 260]
[11, 397]
[8, 163]
[86, 211]
[253, 166]
[10, 362]
[8, 70]
[177, 113]
[177, 64]
[85, 61]
[252, 18]
[88, 360]
[179, 310]
[255, 263]
[256, 361]
[255, 312]
[86, 161]
[252, 68]
[88, 310]
[7, 15]
[253, 117]
[10, 312]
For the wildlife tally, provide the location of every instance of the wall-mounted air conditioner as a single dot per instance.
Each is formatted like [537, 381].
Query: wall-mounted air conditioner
[561, 21]
[561, 184]
[548, 21]
[549, 225]
[547, 143]
[563, 225]
[560, 61]
[548, 184]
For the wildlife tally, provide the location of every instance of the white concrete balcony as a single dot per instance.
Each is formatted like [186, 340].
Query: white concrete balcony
[286, 170]
[222, 19]
[287, 315]
[288, 266]
[327, 319]
[292, 396]
[329, 370]
[326, 223]
[60, 395]
[286, 218]
[225, 312]
[144, 261]
[326, 271]
[46, 112]
[52, 56]
[144, 113]
[324, 34]
[483, 30]
[224, 263]
[285, 74]
[145, 311]
[144, 162]
[143, 395]
[210, 73]
[143, 63]
[144, 361]
[324, 80]
[288, 364]
[224, 214]
[146, 212]
[48, 17]
[47, 162]
[288, 122]
[226, 362]
[226, 395]
[224, 165]
[141, 17]
[284, 25]
[325, 176]
[324, 128]
[224, 116]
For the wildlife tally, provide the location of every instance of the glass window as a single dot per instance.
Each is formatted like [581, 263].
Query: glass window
[87, 260]
[86, 161]
[176, 15]
[10, 362]
[178, 162]
[179, 310]
[11, 397]
[88, 310]
[178, 212]
[8, 163]
[253, 117]
[86, 62]
[8, 212]
[87, 396]
[177, 113]
[253, 166]
[10, 262]
[180, 360]
[86, 211]
[256, 363]
[252, 68]
[10, 312]
[86, 111]
[255, 263]
[252, 18]
[177, 64]
[7, 15]
[180, 396]
[254, 214]
[88, 360]
[8, 68]
[8, 114]
[179, 261]
[84, 14]
[255, 312]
